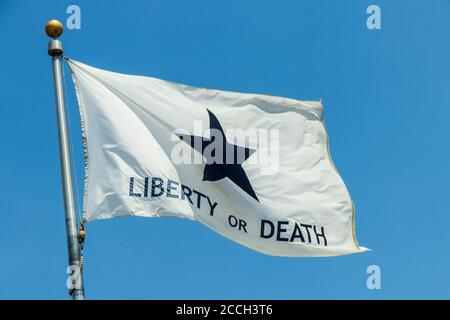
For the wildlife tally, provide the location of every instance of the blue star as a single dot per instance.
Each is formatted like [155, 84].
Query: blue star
[219, 167]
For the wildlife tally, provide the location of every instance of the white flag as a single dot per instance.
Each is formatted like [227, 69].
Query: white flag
[254, 168]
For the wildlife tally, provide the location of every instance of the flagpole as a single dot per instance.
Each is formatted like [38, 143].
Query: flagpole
[54, 29]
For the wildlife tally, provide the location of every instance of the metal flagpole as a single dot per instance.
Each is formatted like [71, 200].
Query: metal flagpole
[54, 29]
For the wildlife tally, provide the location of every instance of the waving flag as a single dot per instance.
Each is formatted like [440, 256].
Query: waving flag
[254, 168]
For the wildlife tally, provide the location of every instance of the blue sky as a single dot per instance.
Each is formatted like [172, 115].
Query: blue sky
[387, 110]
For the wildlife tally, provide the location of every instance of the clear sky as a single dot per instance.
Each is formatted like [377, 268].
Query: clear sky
[387, 110]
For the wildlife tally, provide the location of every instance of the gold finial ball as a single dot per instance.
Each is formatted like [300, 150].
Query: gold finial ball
[54, 29]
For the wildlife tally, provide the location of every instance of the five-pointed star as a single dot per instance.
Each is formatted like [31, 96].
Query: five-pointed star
[217, 167]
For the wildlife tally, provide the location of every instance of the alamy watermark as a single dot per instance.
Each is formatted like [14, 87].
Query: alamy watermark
[374, 280]
[227, 147]
[373, 21]
[74, 19]
[74, 279]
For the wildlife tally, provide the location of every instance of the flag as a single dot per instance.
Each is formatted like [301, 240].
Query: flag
[254, 168]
